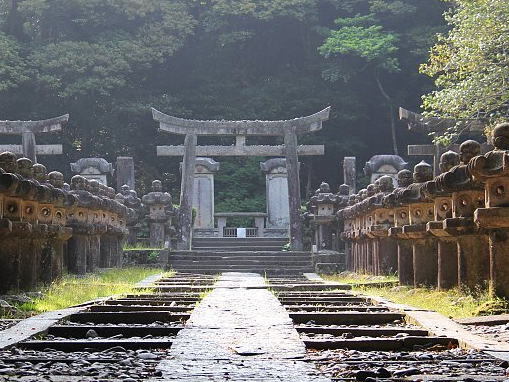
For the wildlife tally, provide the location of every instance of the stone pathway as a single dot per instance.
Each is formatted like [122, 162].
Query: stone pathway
[239, 334]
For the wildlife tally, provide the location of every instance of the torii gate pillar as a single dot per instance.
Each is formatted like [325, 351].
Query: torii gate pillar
[186, 193]
[292, 168]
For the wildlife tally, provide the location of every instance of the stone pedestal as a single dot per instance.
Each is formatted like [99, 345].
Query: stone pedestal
[78, 249]
[387, 256]
[156, 234]
[425, 261]
[94, 255]
[473, 261]
[405, 256]
[447, 264]
[276, 180]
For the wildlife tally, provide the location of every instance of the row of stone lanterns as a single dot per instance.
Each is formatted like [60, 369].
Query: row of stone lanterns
[451, 230]
[47, 225]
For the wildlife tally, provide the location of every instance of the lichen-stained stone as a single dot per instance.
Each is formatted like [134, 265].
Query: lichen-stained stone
[239, 334]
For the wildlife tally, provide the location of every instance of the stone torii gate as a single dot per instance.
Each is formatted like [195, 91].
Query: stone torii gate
[191, 129]
[28, 130]
[420, 123]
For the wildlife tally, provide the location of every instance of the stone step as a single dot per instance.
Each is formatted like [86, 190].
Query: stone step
[229, 267]
[247, 262]
[234, 247]
[238, 256]
[240, 239]
[255, 252]
[259, 270]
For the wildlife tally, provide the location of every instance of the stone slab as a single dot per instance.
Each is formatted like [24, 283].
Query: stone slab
[498, 319]
[239, 332]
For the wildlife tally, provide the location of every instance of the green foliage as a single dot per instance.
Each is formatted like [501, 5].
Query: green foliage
[238, 186]
[106, 62]
[470, 64]
[12, 65]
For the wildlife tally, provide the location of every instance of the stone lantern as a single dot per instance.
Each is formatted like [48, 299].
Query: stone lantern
[157, 202]
[322, 216]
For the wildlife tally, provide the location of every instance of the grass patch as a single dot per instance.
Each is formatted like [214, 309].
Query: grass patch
[141, 246]
[73, 290]
[354, 278]
[453, 303]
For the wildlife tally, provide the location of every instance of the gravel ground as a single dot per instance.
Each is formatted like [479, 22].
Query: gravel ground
[374, 364]
[6, 324]
[127, 366]
[498, 333]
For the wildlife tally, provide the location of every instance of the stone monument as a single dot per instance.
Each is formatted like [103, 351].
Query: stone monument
[380, 165]
[93, 169]
[276, 180]
[203, 192]
[125, 172]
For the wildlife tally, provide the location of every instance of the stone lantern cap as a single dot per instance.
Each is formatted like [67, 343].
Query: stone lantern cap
[209, 163]
[272, 164]
[378, 161]
[99, 164]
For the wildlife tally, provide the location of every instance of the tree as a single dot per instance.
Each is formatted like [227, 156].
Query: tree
[470, 65]
[380, 41]
[362, 46]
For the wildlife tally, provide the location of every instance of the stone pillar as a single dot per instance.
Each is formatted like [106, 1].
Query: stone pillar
[447, 263]
[387, 256]
[105, 249]
[156, 234]
[78, 248]
[186, 193]
[125, 172]
[29, 146]
[94, 255]
[203, 192]
[349, 173]
[473, 261]
[276, 180]
[292, 167]
[425, 262]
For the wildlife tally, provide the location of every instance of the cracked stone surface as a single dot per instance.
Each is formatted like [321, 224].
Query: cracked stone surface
[239, 334]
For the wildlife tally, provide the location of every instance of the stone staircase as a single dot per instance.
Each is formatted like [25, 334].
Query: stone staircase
[257, 255]
[249, 244]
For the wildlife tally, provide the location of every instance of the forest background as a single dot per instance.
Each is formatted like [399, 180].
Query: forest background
[107, 62]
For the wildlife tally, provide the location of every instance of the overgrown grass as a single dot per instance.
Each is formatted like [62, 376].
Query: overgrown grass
[453, 303]
[72, 290]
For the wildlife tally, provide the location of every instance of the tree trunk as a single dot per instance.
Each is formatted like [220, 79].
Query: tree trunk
[390, 103]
